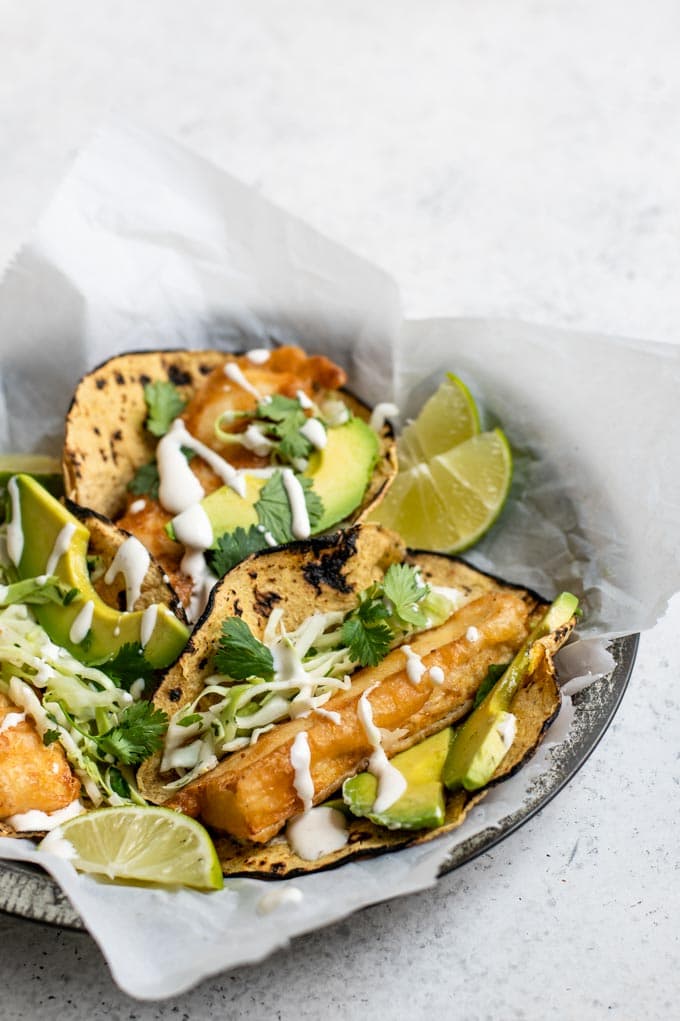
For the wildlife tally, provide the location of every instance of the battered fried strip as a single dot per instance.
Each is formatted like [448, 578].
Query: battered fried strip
[32, 776]
[251, 795]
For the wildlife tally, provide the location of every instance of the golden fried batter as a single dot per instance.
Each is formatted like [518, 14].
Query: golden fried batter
[32, 776]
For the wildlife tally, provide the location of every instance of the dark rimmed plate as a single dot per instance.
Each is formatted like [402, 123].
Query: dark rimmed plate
[30, 893]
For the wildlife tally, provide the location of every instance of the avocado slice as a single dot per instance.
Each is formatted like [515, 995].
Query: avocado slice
[41, 519]
[421, 806]
[482, 741]
[340, 474]
[46, 469]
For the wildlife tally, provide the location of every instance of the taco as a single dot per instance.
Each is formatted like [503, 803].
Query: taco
[64, 722]
[318, 659]
[201, 452]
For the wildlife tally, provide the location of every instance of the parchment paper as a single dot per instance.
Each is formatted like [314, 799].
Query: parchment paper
[146, 245]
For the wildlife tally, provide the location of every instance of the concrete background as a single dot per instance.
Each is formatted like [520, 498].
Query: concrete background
[504, 157]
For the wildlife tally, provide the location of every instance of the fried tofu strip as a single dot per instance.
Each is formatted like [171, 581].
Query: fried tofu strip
[32, 776]
[252, 794]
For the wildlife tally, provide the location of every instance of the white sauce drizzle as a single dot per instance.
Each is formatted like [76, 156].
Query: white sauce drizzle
[381, 413]
[300, 759]
[300, 526]
[314, 431]
[61, 545]
[317, 832]
[132, 561]
[12, 720]
[37, 821]
[254, 439]
[179, 488]
[137, 506]
[329, 714]
[278, 898]
[232, 372]
[507, 728]
[82, 624]
[202, 580]
[305, 402]
[193, 528]
[436, 675]
[267, 536]
[472, 634]
[391, 783]
[259, 355]
[415, 668]
[15, 534]
[137, 688]
[146, 628]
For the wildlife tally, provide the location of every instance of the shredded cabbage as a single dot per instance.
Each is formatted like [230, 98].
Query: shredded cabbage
[78, 703]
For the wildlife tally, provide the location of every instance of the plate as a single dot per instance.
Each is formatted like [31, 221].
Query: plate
[28, 892]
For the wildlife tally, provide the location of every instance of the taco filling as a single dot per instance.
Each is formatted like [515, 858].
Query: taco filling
[287, 720]
[207, 458]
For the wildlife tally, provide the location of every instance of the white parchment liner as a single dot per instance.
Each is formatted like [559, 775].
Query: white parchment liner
[145, 246]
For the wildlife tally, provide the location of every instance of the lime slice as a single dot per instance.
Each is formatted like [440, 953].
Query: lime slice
[448, 418]
[473, 479]
[148, 845]
[448, 502]
[46, 469]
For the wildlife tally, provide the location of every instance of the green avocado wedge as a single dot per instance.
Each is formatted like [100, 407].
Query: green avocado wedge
[482, 741]
[45, 469]
[422, 805]
[340, 474]
[38, 521]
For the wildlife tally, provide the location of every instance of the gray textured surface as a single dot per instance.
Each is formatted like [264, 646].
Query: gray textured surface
[507, 157]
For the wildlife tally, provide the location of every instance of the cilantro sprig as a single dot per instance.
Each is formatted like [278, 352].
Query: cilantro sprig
[385, 611]
[279, 420]
[240, 655]
[138, 733]
[164, 403]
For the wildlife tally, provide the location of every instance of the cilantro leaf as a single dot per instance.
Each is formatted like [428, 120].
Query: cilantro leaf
[402, 588]
[240, 654]
[138, 733]
[233, 547]
[367, 643]
[278, 408]
[385, 611]
[118, 783]
[145, 481]
[493, 674]
[127, 666]
[282, 419]
[165, 403]
[273, 509]
[50, 736]
[313, 501]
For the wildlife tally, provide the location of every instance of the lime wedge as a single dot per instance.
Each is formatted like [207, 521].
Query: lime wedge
[148, 845]
[448, 418]
[46, 469]
[450, 501]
